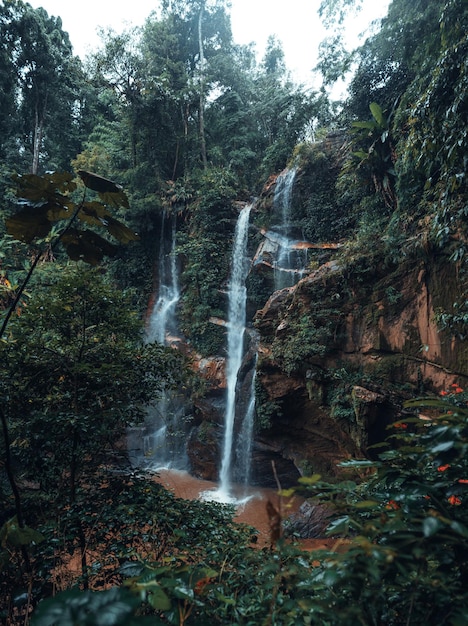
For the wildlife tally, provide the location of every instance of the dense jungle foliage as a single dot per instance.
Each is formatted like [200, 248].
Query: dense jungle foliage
[189, 123]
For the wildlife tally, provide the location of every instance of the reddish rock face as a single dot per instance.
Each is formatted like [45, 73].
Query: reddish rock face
[213, 370]
[385, 339]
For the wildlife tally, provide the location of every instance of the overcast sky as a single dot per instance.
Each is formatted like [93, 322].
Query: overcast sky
[295, 22]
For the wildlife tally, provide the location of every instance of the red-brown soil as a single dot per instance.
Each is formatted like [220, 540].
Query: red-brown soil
[254, 512]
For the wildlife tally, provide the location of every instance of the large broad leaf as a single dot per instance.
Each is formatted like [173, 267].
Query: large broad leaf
[110, 192]
[85, 245]
[94, 213]
[99, 183]
[29, 223]
[34, 188]
[115, 199]
[60, 211]
[121, 232]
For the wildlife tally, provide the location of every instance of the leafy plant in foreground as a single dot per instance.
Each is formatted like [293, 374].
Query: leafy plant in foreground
[406, 526]
[44, 202]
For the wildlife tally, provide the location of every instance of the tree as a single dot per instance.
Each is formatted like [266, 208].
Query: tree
[434, 147]
[76, 374]
[404, 48]
[207, 35]
[41, 77]
[43, 201]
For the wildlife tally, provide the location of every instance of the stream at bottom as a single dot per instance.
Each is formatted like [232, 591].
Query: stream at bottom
[251, 503]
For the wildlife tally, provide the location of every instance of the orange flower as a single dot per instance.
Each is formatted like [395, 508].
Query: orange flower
[463, 481]
[201, 584]
[442, 468]
[401, 425]
[458, 390]
[444, 393]
[455, 500]
[392, 505]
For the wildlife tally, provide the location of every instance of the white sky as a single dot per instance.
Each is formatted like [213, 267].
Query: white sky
[294, 22]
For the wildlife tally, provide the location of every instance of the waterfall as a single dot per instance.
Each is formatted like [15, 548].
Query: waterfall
[161, 440]
[162, 319]
[237, 293]
[290, 263]
[244, 444]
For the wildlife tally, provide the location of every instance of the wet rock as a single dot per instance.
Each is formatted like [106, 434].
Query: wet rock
[308, 522]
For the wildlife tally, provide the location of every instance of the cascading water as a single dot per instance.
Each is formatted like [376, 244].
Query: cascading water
[163, 437]
[163, 319]
[237, 293]
[290, 263]
[245, 441]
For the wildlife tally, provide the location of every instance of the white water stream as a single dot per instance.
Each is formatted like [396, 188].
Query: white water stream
[245, 441]
[290, 263]
[160, 442]
[237, 293]
[163, 319]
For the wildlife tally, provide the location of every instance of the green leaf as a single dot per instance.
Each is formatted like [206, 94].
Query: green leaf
[359, 463]
[98, 183]
[309, 480]
[115, 199]
[330, 577]
[113, 607]
[338, 526]
[366, 504]
[443, 446]
[431, 525]
[377, 114]
[360, 154]
[225, 599]
[131, 568]
[183, 592]
[121, 232]
[426, 402]
[367, 125]
[28, 224]
[157, 597]
[11, 534]
[85, 245]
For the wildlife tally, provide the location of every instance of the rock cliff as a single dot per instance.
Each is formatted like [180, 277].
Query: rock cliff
[341, 350]
[340, 356]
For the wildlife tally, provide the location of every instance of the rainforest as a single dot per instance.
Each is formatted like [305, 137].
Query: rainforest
[208, 270]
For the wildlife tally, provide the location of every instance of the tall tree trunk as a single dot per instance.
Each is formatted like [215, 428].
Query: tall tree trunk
[201, 116]
[38, 134]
